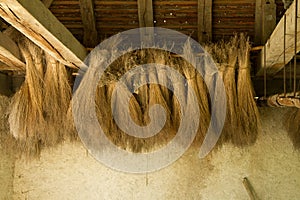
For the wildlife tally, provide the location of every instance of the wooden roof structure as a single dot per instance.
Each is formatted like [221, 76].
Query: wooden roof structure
[68, 28]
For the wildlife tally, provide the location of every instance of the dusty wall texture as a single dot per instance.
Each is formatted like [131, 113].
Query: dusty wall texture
[271, 165]
[6, 161]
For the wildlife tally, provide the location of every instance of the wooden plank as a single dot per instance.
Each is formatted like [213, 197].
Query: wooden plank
[10, 54]
[274, 45]
[145, 13]
[204, 20]
[265, 20]
[269, 19]
[90, 35]
[47, 3]
[37, 23]
[258, 22]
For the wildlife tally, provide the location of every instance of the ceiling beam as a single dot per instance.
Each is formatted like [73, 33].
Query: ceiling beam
[47, 3]
[265, 20]
[10, 54]
[145, 13]
[37, 23]
[204, 20]
[90, 35]
[274, 47]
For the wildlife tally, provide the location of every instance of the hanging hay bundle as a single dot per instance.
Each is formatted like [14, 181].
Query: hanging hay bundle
[139, 104]
[176, 64]
[38, 111]
[26, 116]
[219, 54]
[248, 112]
[198, 85]
[57, 96]
[158, 94]
[231, 121]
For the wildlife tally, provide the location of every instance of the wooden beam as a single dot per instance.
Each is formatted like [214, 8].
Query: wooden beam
[275, 44]
[90, 35]
[269, 19]
[10, 54]
[145, 12]
[37, 23]
[265, 20]
[258, 22]
[204, 20]
[47, 3]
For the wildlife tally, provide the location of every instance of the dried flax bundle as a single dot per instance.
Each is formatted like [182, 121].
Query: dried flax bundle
[57, 96]
[248, 112]
[26, 110]
[231, 122]
[198, 85]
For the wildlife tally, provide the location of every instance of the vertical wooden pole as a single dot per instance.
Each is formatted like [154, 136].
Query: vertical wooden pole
[204, 20]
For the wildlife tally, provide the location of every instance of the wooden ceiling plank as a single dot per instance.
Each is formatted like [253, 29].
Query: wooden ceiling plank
[204, 20]
[10, 54]
[37, 23]
[90, 36]
[274, 45]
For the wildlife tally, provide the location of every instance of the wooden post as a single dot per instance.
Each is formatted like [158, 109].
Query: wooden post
[145, 12]
[265, 20]
[204, 20]
[90, 35]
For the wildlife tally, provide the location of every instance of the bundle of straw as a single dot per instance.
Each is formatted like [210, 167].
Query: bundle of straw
[57, 96]
[248, 112]
[231, 121]
[198, 85]
[26, 113]
[219, 54]
[38, 111]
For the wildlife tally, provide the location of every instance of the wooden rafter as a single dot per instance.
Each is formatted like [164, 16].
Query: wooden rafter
[274, 47]
[90, 35]
[36, 22]
[10, 54]
[145, 12]
[204, 20]
[47, 3]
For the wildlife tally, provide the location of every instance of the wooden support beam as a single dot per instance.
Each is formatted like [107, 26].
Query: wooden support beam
[145, 12]
[265, 20]
[275, 44]
[37, 23]
[47, 3]
[204, 20]
[90, 35]
[10, 54]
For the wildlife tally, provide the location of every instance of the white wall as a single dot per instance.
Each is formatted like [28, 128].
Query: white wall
[271, 165]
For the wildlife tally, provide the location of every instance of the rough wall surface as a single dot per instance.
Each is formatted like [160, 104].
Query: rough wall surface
[6, 161]
[271, 165]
